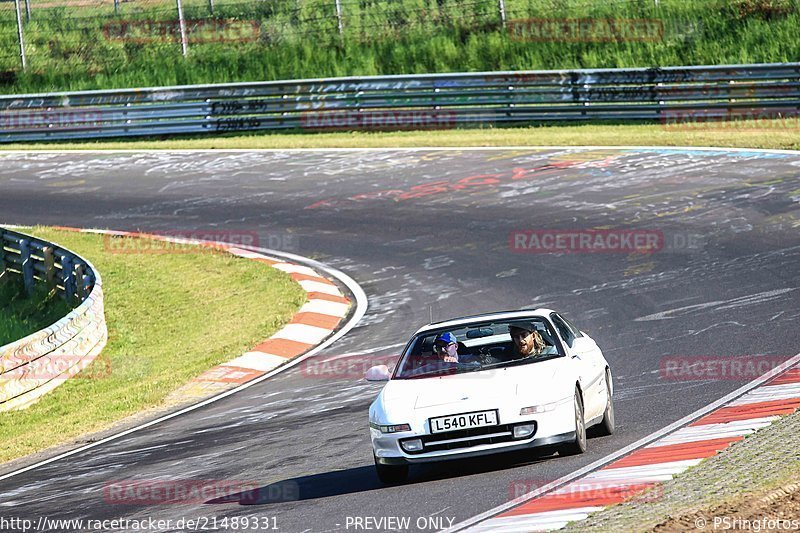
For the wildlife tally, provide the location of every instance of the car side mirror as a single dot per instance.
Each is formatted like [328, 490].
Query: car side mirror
[378, 373]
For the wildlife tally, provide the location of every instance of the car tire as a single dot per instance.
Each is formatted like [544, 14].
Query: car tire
[578, 445]
[391, 474]
[607, 425]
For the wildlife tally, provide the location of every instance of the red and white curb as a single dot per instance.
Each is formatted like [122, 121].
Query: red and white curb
[315, 321]
[643, 467]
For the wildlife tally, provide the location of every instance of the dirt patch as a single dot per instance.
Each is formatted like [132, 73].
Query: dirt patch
[775, 510]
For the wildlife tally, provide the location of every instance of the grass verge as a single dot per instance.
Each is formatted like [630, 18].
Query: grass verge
[170, 317]
[70, 47]
[746, 134]
[21, 315]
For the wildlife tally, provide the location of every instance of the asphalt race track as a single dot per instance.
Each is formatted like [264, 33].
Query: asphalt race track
[427, 233]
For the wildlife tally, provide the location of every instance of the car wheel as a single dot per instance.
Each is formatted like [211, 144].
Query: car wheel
[577, 446]
[607, 425]
[391, 474]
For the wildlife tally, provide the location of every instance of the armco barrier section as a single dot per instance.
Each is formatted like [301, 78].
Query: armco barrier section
[671, 95]
[38, 363]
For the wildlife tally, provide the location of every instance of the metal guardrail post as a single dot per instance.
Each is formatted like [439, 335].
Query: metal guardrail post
[20, 36]
[182, 24]
[116, 7]
[211, 6]
[502, 6]
[27, 10]
[26, 264]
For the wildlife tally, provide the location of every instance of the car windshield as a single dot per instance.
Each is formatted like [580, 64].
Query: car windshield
[474, 347]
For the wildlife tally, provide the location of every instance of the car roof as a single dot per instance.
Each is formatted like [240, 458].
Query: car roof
[498, 315]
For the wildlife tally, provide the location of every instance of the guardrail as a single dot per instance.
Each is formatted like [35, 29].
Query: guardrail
[36, 364]
[430, 101]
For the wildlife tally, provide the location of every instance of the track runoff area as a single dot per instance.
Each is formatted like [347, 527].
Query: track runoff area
[439, 233]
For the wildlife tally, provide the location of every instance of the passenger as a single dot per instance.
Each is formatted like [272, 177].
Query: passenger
[527, 341]
[445, 346]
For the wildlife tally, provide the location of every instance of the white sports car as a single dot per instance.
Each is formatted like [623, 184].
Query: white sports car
[489, 383]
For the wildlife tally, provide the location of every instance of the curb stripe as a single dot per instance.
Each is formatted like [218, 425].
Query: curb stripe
[678, 451]
[751, 410]
[324, 307]
[305, 277]
[318, 320]
[792, 376]
[282, 347]
[580, 499]
[257, 361]
[338, 298]
[317, 286]
[302, 333]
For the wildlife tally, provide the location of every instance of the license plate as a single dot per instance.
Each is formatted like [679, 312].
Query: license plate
[477, 419]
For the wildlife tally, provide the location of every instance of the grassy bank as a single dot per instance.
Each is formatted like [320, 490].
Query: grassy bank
[745, 135]
[170, 317]
[21, 314]
[89, 47]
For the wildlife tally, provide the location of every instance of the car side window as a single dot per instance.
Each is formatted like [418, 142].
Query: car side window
[563, 330]
[575, 330]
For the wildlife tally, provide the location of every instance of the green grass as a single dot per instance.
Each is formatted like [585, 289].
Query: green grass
[22, 314]
[747, 135]
[71, 48]
[170, 317]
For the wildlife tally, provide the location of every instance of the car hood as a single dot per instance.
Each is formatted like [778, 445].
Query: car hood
[472, 388]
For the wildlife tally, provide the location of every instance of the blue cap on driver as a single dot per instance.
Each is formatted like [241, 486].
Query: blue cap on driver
[446, 338]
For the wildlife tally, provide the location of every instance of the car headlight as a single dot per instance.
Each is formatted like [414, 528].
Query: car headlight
[396, 428]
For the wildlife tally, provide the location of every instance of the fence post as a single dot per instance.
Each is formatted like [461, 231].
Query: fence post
[3, 276]
[116, 7]
[27, 10]
[339, 17]
[68, 277]
[182, 24]
[49, 267]
[211, 6]
[20, 36]
[26, 264]
[80, 287]
[502, 12]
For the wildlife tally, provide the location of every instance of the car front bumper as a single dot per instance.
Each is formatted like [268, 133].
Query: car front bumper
[476, 451]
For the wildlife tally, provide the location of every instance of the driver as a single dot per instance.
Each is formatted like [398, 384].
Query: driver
[527, 341]
[445, 347]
